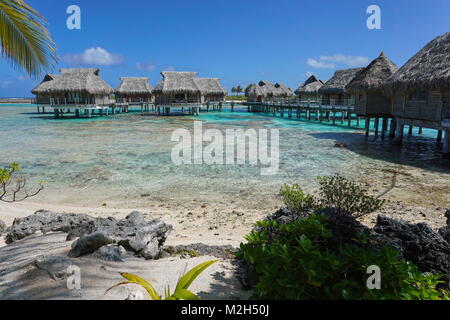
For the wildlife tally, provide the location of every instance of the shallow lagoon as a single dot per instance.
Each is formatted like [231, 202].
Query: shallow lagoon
[126, 159]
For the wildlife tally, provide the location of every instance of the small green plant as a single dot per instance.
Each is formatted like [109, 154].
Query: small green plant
[294, 262]
[13, 187]
[181, 291]
[296, 200]
[337, 193]
[346, 197]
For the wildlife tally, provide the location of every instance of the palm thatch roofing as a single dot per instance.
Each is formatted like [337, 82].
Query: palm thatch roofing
[374, 75]
[177, 82]
[42, 88]
[428, 69]
[311, 85]
[134, 86]
[210, 86]
[283, 90]
[78, 80]
[336, 85]
[263, 89]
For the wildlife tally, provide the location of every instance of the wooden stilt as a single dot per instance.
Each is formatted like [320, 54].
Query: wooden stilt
[446, 145]
[439, 136]
[392, 128]
[400, 128]
[377, 126]
[367, 127]
[384, 128]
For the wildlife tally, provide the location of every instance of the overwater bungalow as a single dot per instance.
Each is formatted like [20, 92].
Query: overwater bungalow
[309, 90]
[76, 89]
[370, 100]
[333, 91]
[263, 91]
[283, 91]
[134, 89]
[41, 91]
[421, 90]
[177, 87]
[211, 90]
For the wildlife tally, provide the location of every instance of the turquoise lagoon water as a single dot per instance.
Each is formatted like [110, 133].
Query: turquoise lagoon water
[126, 159]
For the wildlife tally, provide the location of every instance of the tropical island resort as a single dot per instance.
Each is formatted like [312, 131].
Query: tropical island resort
[324, 177]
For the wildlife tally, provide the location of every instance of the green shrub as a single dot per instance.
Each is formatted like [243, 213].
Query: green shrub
[337, 193]
[298, 265]
[296, 200]
[346, 197]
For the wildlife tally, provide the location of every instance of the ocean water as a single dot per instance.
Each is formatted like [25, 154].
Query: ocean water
[126, 160]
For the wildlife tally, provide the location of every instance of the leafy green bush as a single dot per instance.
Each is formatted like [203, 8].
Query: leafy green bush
[297, 264]
[296, 200]
[346, 197]
[337, 193]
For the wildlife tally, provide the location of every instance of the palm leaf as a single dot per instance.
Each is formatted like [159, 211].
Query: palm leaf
[186, 280]
[183, 294]
[132, 279]
[24, 38]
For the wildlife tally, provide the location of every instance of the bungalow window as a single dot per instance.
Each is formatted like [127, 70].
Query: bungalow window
[418, 96]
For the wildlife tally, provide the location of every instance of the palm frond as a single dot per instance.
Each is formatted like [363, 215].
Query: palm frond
[25, 39]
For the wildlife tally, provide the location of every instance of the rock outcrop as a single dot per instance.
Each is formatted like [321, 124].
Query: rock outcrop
[107, 237]
[417, 243]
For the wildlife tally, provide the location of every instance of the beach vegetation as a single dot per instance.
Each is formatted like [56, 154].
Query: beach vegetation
[336, 193]
[13, 186]
[316, 249]
[181, 291]
[294, 261]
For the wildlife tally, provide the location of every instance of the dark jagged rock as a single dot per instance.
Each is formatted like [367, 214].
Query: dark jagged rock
[45, 221]
[2, 227]
[110, 253]
[417, 243]
[445, 233]
[91, 227]
[447, 215]
[143, 238]
[89, 244]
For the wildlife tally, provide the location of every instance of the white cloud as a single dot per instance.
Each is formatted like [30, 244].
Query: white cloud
[329, 62]
[170, 68]
[93, 56]
[145, 66]
[351, 61]
[320, 64]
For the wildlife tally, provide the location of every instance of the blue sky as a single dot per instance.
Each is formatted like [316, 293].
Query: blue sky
[239, 41]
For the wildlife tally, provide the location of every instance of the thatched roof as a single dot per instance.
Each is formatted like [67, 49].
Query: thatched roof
[78, 80]
[428, 69]
[312, 85]
[336, 85]
[374, 75]
[283, 90]
[133, 85]
[210, 86]
[42, 88]
[177, 82]
[263, 89]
